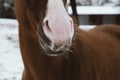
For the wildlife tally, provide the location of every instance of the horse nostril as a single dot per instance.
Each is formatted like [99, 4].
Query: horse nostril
[46, 24]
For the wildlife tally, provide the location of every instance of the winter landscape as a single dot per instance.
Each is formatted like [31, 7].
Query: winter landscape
[10, 60]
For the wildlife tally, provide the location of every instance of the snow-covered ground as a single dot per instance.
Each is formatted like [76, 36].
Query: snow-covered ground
[11, 66]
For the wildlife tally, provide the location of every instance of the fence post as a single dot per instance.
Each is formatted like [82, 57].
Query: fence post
[117, 19]
[74, 14]
[1, 8]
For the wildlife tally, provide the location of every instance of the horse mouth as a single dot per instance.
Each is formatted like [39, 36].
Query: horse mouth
[52, 50]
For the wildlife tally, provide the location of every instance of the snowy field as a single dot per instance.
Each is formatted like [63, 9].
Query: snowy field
[11, 66]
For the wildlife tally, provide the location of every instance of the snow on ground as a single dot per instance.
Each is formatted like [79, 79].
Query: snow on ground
[11, 66]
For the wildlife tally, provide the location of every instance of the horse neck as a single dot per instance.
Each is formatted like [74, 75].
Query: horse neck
[35, 60]
[43, 67]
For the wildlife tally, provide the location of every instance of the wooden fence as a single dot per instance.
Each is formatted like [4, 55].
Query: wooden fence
[90, 15]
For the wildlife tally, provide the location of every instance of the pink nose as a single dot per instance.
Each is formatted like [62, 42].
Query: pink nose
[58, 29]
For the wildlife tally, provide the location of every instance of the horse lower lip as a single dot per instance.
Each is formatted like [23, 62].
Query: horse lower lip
[54, 53]
[58, 52]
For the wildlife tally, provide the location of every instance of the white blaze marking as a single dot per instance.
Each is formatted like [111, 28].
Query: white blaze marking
[55, 6]
[57, 14]
[56, 9]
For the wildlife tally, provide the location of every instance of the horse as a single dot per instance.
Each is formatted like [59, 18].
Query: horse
[53, 48]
